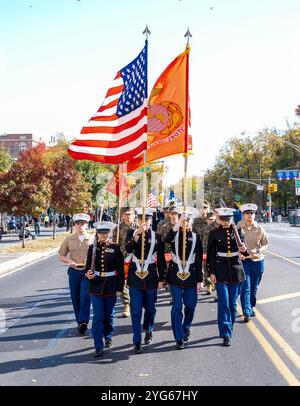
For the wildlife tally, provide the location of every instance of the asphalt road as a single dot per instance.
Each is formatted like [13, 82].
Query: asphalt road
[40, 346]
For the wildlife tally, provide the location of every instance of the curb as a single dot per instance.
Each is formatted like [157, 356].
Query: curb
[27, 259]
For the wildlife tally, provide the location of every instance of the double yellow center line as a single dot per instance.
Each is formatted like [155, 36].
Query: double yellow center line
[283, 369]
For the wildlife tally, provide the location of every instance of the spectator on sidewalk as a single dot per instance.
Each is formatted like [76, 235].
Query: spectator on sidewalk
[46, 220]
[37, 224]
[237, 216]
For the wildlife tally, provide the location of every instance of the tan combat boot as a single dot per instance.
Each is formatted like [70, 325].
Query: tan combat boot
[126, 311]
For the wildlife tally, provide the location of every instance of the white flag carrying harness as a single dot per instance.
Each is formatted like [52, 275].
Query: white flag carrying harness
[183, 274]
[143, 272]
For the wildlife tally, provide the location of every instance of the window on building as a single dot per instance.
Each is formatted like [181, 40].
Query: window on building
[22, 147]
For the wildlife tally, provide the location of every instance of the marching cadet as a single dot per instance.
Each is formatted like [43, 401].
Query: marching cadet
[173, 219]
[225, 268]
[125, 225]
[200, 221]
[164, 221]
[76, 245]
[144, 280]
[256, 242]
[184, 282]
[202, 227]
[105, 271]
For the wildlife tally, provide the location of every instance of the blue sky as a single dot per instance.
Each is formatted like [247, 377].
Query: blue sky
[58, 57]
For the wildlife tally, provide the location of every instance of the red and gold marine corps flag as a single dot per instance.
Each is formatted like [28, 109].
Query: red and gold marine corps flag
[168, 113]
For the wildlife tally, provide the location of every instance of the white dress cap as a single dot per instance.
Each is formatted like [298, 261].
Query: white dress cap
[248, 206]
[148, 211]
[192, 212]
[225, 211]
[104, 226]
[81, 216]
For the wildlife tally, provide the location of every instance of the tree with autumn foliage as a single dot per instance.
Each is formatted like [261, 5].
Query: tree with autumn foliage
[43, 178]
[25, 188]
[70, 193]
[255, 158]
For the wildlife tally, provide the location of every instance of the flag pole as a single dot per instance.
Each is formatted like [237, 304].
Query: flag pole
[146, 32]
[185, 155]
[119, 202]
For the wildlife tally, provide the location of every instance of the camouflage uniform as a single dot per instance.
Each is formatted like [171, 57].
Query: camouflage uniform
[201, 227]
[161, 224]
[165, 229]
[123, 229]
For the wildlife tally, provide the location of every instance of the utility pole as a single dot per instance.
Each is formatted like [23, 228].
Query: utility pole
[270, 200]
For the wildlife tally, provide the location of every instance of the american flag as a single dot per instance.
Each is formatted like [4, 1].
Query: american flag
[151, 200]
[118, 130]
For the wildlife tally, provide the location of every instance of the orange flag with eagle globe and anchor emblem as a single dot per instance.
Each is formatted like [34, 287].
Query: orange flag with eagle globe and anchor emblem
[167, 114]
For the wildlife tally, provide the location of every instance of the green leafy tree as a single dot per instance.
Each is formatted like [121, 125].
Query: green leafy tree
[6, 160]
[97, 175]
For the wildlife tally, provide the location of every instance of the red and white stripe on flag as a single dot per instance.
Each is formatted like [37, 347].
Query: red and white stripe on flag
[118, 130]
[151, 201]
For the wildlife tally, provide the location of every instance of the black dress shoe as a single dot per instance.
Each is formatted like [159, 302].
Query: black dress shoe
[137, 348]
[179, 345]
[98, 353]
[226, 342]
[246, 319]
[186, 336]
[108, 343]
[82, 327]
[253, 313]
[148, 338]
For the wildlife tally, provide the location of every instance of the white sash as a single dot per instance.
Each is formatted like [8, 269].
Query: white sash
[191, 258]
[150, 257]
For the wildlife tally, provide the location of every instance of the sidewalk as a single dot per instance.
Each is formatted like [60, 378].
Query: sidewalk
[10, 261]
[9, 240]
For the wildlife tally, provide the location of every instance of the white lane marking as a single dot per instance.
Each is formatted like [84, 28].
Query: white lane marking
[278, 298]
[284, 258]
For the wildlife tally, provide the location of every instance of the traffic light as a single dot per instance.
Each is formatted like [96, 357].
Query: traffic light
[272, 188]
[194, 188]
[229, 184]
